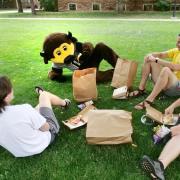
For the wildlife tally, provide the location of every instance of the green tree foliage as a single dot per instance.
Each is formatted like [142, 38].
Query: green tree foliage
[49, 5]
[162, 5]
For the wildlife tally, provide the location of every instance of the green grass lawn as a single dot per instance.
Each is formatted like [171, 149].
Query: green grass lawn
[69, 14]
[70, 157]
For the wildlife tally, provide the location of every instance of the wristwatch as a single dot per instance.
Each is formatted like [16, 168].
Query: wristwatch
[156, 60]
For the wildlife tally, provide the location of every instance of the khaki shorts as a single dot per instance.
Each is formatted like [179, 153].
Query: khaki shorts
[49, 115]
[174, 90]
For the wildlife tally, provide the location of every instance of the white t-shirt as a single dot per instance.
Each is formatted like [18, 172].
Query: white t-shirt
[19, 130]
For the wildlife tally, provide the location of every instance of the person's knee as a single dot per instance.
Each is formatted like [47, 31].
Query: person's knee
[165, 72]
[145, 59]
[43, 95]
[146, 62]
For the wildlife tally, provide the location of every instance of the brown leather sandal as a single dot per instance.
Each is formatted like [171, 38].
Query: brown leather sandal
[143, 105]
[137, 93]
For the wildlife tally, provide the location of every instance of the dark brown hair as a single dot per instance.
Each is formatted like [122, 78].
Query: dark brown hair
[5, 89]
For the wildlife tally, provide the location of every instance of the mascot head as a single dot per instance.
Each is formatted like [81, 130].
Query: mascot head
[59, 48]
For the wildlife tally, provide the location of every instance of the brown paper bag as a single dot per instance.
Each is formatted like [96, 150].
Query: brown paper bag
[124, 73]
[84, 85]
[159, 117]
[154, 114]
[109, 127]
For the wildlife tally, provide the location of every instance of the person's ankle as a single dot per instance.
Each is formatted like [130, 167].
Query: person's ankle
[161, 164]
[64, 103]
[149, 99]
[141, 88]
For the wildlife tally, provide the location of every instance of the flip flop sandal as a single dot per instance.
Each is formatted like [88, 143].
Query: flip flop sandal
[140, 92]
[38, 89]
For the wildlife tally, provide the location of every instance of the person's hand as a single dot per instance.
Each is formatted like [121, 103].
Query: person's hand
[175, 130]
[150, 58]
[169, 110]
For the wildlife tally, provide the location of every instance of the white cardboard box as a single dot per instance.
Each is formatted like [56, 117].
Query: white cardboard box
[120, 93]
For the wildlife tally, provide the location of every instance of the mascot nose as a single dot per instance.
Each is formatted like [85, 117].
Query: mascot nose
[69, 59]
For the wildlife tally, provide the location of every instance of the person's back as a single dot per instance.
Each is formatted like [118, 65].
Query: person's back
[19, 130]
[24, 130]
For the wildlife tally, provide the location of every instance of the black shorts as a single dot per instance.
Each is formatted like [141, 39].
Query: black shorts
[49, 115]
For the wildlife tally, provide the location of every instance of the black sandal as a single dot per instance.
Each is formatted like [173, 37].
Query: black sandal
[38, 89]
[140, 92]
[68, 102]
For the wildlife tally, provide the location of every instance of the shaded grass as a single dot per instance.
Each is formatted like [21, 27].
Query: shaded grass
[70, 157]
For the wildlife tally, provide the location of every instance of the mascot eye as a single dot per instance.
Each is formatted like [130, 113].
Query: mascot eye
[58, 53]
[64, 48]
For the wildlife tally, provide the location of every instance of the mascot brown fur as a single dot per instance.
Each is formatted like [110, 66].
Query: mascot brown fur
[65, 51]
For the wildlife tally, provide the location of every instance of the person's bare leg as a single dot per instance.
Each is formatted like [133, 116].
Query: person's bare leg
[147, 69]
[171, 151]
[165, 80]
[47, 99]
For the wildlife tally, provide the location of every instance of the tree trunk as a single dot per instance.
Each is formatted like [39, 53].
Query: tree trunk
[120, 4]
[19, 6]
[32, 7]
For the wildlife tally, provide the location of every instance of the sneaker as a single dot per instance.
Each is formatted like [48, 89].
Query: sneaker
[154, 168]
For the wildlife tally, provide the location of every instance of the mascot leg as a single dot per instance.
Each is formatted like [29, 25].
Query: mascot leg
[104, 76]
[102, 51]
[56, 75]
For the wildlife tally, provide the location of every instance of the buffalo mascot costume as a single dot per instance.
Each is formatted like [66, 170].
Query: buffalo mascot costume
[65, 51]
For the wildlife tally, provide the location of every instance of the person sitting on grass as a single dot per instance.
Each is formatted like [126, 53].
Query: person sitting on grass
[165, 75]
[24, 130]
[170, 152]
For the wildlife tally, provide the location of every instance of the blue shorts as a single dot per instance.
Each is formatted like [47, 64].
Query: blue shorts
[173, 90]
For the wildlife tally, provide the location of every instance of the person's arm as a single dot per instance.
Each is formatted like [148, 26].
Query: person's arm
[174, 67]
[160, 55]
[171, 108]
[38, 122]
[157, 57]
[44, 127]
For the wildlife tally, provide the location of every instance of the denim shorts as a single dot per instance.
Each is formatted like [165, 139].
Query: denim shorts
[49, 115]
[173, 90]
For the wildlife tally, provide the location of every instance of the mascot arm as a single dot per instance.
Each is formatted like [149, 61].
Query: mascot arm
[87, 49]
[57, 75]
